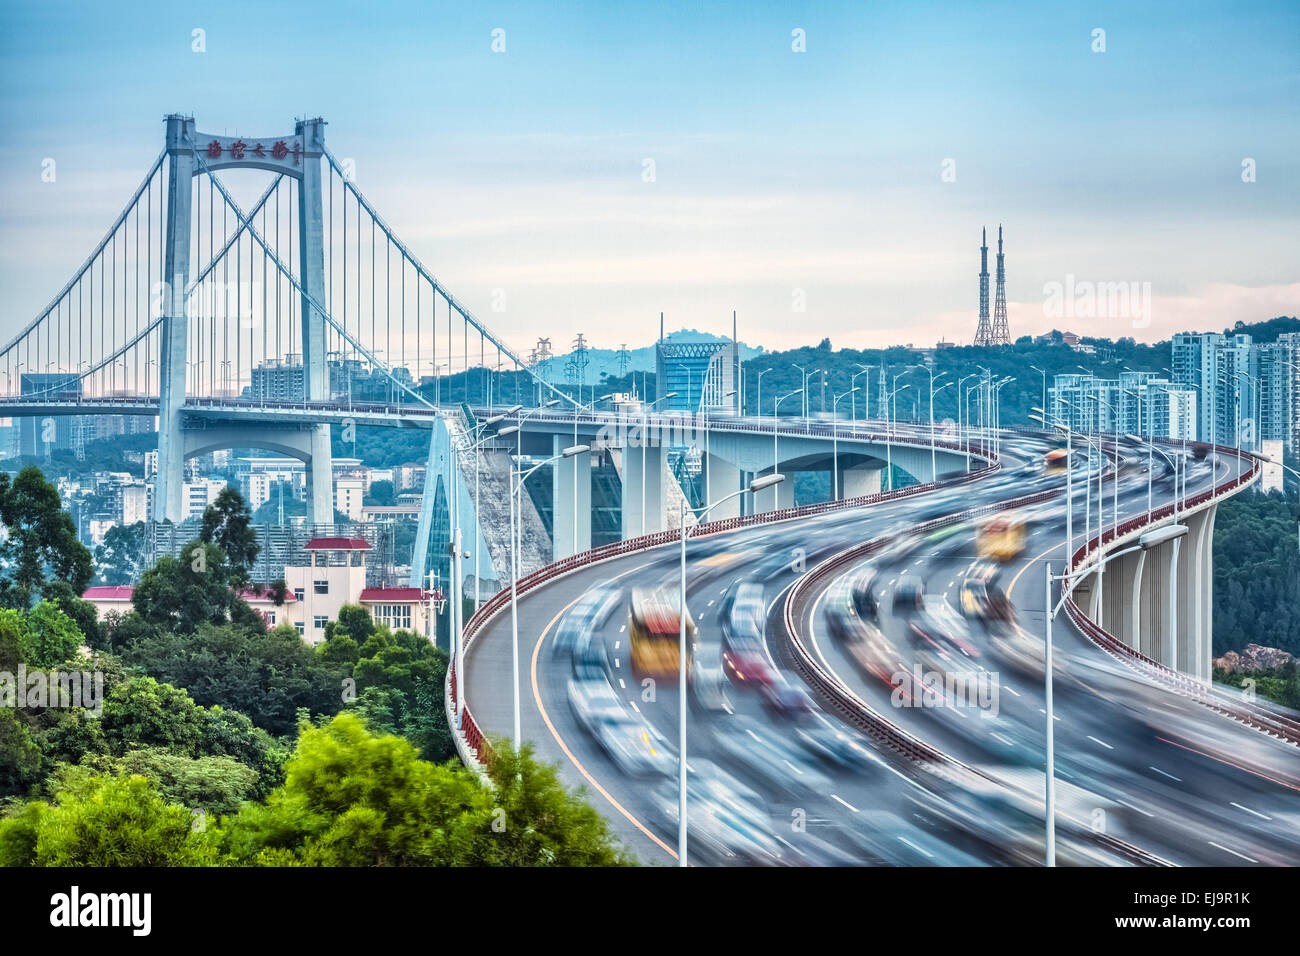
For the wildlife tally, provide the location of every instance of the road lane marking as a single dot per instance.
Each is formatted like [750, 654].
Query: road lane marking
[916, 848]
[1255, 812]
[1102, 742]
[1233, 852]
[1125, 803]
[546, 718]
[1163, 774]
[838, 799]
[1238, 766]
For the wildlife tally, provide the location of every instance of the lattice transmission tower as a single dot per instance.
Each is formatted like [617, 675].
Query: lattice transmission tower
[1001, 334]
[984, 331]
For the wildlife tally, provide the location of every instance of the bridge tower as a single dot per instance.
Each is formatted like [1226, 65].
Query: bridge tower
[190, 154]
[311, 222]
[167, 501]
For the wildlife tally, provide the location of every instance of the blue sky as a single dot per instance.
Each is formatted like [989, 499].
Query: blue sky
[775, 171]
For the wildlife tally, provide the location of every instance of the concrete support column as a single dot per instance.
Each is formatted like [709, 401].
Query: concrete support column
[1133, 632]
[777, 497]
[168, 489]
[1205, 654]
[724, 478]
[320, 477]
[571, 485]
[312, 269]
[1193, 593]
[643, 488]
[1169, 637]
[861, 480]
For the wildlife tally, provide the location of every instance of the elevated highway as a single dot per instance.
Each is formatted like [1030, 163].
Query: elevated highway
[1154, 767]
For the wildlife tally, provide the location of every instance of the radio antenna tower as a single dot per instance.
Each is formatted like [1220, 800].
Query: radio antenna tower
[984, 331]
[1001, 334]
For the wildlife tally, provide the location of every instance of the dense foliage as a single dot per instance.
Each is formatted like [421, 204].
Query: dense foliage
[162, 768]
[1257, 573]
[350, 798]
[1281, 684]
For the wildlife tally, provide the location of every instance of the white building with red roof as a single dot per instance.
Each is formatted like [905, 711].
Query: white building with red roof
[333, 574]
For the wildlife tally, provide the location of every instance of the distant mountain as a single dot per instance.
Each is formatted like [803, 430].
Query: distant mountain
[602, 362]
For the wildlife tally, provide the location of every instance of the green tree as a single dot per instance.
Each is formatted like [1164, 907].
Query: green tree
[118, 559]
[41, 540]
[354, 798]
[214, 785]
[227, 524]
[1256, 592]
[179, 594]
[106, 822]
[268, 675]
[381, 493]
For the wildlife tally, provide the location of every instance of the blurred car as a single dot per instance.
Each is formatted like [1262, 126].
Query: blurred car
[862, 595]
[589, 614]
[909, 596]
[634, 746]
[769, 760]
[708, 680]
[982, 597]
[781, 697]
[590, 662]
[744, 656]
[1003, 825]
[880, 838]
[836, 745]
[726, 821]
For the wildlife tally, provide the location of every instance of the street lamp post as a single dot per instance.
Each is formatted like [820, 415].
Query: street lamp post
[889, 428]
[963, 397]
[934, 468]
[835, 442]
[776, 457]
[1145, 543]
[1044, 374]
[933, 461]
[866, 395]
[760, 391]
[755, 486]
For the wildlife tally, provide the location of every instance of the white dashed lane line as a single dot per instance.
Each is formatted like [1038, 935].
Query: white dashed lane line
[839, 800]
[1226, 850]
[1254, 812]
[1102, 742]
[1163, 774]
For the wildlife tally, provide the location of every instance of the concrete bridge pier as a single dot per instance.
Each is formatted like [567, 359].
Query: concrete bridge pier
[644, 498]
[1158, 602]
[723, 478]
[1195, 590]
[571, 487]
[862, 479]
[777, 497]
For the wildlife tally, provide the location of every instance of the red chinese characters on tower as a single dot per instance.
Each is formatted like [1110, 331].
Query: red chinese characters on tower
[237, 149]
[258, 151]
[214, 150]
[279, 150]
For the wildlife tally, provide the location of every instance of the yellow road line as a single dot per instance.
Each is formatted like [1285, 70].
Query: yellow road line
[546, 717]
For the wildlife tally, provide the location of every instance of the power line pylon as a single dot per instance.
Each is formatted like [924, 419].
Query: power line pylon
[984, 331]
[1001, 334]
